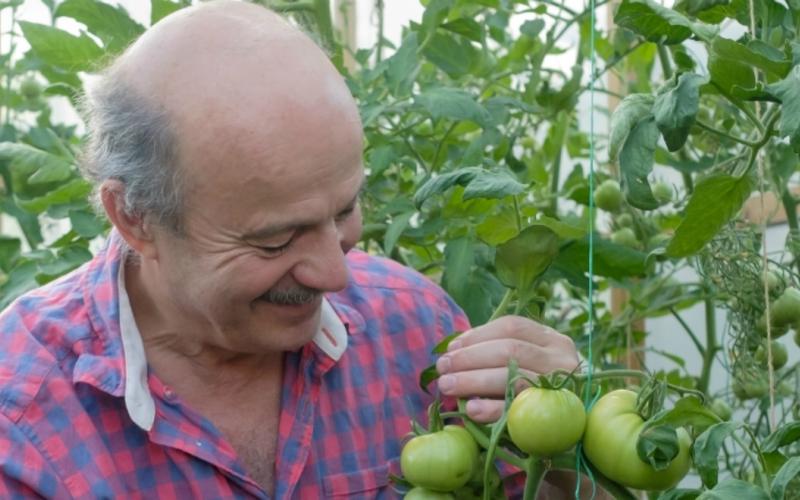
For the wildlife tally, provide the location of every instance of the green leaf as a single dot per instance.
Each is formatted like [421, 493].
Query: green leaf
[497, 229]
[11, 3]
[676, 109]
[435, 13]
[694, 7]
[401, 67]
[459, 256]
[562, 229]
[468, 28]
[784, 435]
[65, 261]
[610, 260]
[687, 411]
[788, 92]
[680, 494]
[658, 446]
[162, 8]
[522, 259]
[86, 223]
[734, 488]
[62, 49]
[111, 24]
[787, 473]
[395, 229]
[20, 280]
[706, 451]
[453, 104]
[77, 189]
[46, 167]
[491, 184]
[715, 201]
[636, 163]
[631, 110]
[660, 24]
[532, 28]
[9, 252]
[731, 50]
[729, 73]
[455, 56]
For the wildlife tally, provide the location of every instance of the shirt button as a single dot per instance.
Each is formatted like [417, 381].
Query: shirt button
[169, 395]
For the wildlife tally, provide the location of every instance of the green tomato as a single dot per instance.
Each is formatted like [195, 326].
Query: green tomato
[786, 308]
[608, 196]
[658, 240]
[721, 409]
[625, 237]
[545, 422]
[30, 89]
[624, 220]
[418, 493]
[612, 429]
[440, 461]
[755, 388]
[779, 355]
[662, 192]
[777, 331]
[772, 280]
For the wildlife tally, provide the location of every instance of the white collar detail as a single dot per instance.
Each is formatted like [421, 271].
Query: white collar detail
[331, 338]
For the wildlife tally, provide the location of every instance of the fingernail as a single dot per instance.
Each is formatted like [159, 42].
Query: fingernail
[452, 346]
[447, 383]
[475, 407]
[443, 364]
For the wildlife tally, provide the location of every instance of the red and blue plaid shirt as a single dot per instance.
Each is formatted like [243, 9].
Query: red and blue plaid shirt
[71, 395]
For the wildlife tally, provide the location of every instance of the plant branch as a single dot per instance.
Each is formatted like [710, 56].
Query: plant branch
[726, 135]
[535, 469]
[441, 145]
[711, 346]
[688, 330]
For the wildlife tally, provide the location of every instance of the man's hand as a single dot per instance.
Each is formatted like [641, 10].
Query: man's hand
[475, 364]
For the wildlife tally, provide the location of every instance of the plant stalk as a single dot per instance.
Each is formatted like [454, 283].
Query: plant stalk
[535, 470]
[711, 346]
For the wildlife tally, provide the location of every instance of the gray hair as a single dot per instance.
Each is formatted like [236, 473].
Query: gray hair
[132, 140]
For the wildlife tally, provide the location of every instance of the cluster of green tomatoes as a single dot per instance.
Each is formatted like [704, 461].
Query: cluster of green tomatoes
[543, 423]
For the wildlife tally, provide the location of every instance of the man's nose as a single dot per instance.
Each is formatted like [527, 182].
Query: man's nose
[324, 267]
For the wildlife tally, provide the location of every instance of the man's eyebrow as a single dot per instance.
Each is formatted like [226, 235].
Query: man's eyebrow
[273, 230]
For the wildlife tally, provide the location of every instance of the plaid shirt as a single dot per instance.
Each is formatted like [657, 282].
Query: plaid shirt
[82, 417]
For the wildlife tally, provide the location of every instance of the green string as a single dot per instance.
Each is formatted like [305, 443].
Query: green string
[588, 400]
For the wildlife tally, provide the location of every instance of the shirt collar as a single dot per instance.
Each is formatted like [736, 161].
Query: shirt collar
[331, 338]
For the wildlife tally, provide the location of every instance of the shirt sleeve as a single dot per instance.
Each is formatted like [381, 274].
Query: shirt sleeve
[24, 471]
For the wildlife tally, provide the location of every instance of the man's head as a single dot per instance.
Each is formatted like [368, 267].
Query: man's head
[227, 151]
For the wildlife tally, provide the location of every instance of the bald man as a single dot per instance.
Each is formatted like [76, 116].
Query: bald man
[228, 342]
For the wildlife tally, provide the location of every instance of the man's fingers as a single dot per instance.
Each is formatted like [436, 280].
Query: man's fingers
[485, 411]
[497, 353]
[508, 327]
[486, 382]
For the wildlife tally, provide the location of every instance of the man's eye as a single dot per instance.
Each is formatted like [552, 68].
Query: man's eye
[345, 214]
[274, 251]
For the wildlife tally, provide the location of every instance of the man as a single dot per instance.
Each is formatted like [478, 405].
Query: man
[227, 343]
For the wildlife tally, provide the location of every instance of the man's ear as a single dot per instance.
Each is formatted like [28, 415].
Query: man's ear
[136, 232]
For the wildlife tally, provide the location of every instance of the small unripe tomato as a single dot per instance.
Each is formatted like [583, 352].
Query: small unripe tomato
[779, 355]
[545, 422]
[786, 308]
[30, 89]
[608, 196]
[625, 236]
[624, 220]
[662, 192]
[721, 409]
[440, 461]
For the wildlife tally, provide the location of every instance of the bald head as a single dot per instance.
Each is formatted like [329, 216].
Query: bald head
[224, 75]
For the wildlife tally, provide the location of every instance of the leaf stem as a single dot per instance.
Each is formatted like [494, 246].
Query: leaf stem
[726, 135]
[688, 330]
[503, 305]
[441, 145]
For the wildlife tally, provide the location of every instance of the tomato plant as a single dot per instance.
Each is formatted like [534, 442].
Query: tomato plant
[440, 461]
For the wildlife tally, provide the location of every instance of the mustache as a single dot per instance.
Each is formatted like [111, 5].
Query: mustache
[294, 296]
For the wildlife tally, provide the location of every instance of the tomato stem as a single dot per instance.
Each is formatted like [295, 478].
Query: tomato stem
[535, 468]
[566, 461]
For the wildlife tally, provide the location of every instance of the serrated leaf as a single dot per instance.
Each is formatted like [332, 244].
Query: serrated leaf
[694, 7]
[490, 184]
[751, 56]
[453, 55]
[466, 27]
[658, 446]
[459, 256]
[630, 111]
[46, 167]
[62, 49]
[110, 24]
[162, 8]
[21, 279]
[788, 92]
[401, 67]
[9, 252]
[789, 471]
[731, 74]
[687, 411]
[522, 259]
[734, 488]
[706, 451]
[636, 163]
[77, 189]
[453, 104]
[715, 201]
[676, 109]
[610, 260]
[562, 229]
[660, 24]
[785, 434]
[86, 223]
[440, 184]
